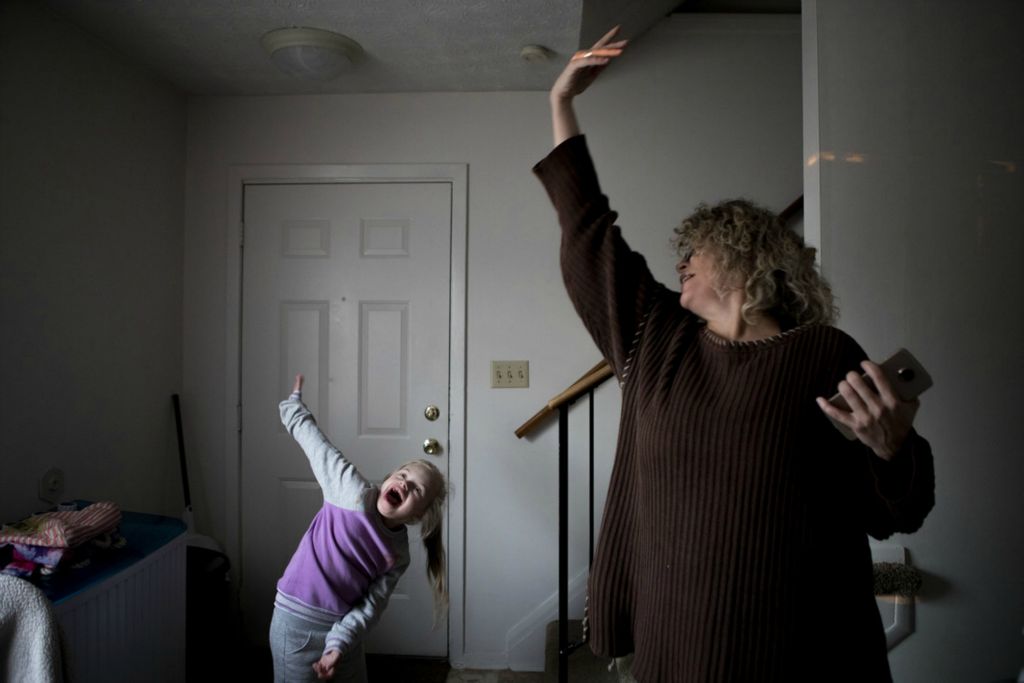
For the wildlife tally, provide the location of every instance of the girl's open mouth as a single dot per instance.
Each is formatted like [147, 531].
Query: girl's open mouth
[394, 497]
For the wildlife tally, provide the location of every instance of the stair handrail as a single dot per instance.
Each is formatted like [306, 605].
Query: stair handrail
[591, 379]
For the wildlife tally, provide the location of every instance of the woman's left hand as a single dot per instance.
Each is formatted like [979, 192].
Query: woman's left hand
[576, 77]
[585, 66]
[879, 418]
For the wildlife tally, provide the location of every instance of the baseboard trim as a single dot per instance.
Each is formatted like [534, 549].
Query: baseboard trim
[480, 660]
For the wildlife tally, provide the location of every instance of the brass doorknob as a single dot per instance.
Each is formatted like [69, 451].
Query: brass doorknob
[431, 446]
[431, 413]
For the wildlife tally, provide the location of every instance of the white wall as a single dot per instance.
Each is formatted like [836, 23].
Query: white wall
[923, 240]
[703, 108]
[91, 208]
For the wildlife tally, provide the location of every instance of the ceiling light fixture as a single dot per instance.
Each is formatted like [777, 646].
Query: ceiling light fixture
[535, 54]
[312, 53]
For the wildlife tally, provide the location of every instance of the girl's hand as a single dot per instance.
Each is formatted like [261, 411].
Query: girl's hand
[585, 66]
[297, 387]
[878, 417]
[325, 667]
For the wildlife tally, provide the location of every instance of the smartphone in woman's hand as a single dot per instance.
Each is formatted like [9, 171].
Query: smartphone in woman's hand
[907, 376]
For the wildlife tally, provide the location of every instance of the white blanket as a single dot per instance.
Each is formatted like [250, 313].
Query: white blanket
[29, 637]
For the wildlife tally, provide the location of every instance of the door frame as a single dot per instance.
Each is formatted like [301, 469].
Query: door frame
[456, 175]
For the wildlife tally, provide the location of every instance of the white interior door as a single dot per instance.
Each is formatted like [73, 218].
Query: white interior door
[347, 283]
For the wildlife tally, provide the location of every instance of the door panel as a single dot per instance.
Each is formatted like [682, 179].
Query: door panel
[347, 283]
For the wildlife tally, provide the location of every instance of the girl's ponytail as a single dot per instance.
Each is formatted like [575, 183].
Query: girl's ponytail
[437, 570]
[431, 527]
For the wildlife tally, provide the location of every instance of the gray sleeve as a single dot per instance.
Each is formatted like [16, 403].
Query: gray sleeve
[339, 479]
[352, 627]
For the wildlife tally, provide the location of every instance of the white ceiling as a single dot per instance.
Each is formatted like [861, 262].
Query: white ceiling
[212, 47]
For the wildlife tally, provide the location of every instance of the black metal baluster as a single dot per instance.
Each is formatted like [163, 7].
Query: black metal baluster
[563, 543]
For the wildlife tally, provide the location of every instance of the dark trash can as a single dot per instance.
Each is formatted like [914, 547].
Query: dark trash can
[207, 614]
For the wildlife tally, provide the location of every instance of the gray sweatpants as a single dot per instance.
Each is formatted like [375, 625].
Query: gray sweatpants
[296, 644]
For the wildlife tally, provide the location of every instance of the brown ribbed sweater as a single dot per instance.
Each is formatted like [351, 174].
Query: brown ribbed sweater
[733, 545]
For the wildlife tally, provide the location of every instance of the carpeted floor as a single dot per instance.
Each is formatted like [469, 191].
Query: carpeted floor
[506, 676]
[583, 668]
[385, 669]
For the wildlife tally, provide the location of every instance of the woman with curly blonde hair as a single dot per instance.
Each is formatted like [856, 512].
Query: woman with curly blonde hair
[736, 515]
[780, 279]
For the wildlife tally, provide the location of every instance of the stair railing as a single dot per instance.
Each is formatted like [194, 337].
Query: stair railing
[562, 402]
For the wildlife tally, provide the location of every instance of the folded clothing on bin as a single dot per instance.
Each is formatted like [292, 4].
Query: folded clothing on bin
[63, 529]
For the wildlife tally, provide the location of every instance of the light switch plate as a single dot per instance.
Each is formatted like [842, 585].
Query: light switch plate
[510, 374]
[51, 486]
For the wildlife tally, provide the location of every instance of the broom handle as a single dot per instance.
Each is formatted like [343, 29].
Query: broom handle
[181, 450]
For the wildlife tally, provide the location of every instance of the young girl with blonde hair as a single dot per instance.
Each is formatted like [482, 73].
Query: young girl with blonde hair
[347, 564]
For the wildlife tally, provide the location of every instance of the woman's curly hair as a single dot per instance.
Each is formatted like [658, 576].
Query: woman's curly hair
[777, 269]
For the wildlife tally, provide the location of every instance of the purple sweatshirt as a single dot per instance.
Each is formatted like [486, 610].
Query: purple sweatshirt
[347, 563]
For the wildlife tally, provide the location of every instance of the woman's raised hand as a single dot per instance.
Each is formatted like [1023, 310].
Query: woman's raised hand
[297, 387]
[880, 419]
[586, 65]
[578, 74]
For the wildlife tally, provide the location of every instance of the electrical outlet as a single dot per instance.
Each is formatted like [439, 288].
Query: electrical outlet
[51, 486]
[509, 374]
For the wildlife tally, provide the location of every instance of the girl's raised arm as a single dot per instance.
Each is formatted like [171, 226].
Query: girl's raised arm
[339, 479]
